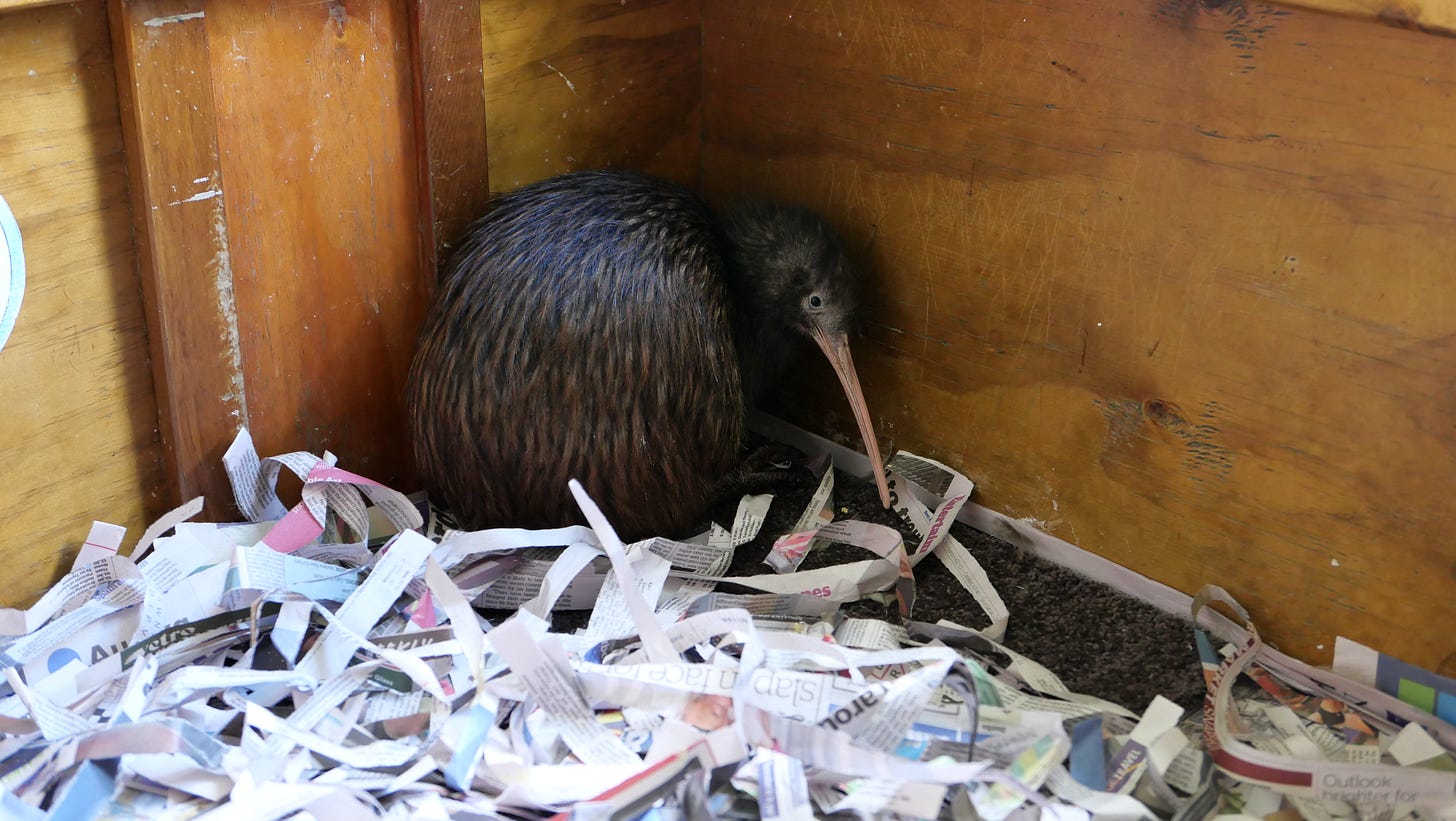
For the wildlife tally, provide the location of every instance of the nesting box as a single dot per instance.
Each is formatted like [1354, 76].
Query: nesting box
[1170, 279]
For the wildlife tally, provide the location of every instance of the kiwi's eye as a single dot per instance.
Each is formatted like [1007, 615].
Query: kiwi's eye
[816, 302]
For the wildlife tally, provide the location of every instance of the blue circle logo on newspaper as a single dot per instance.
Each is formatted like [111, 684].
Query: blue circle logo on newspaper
[60, 658]
[12, 271]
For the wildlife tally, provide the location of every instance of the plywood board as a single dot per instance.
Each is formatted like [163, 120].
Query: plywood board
[78, 435]
[1172, 280]
[574, 84]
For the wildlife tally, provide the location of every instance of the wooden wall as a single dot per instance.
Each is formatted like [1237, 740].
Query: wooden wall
[1172, 279]
[577, 84]
[231, 213]
[78, 436]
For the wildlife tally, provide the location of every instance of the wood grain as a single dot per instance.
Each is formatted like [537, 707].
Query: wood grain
[77, 435]
[17, 5]
[1431, 16]
[314, 109]
[182, 239]
[573, 84]
[1174, 282]
[449, 117]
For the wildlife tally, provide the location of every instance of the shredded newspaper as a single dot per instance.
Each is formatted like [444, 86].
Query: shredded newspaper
[328, 661]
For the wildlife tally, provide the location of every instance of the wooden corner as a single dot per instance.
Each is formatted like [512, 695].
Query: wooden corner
[449, 99]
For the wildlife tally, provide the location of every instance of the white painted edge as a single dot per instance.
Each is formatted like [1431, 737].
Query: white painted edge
[1034, 541]
[12, 271]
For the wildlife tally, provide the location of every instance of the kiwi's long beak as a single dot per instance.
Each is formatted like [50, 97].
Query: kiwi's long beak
[836, 347]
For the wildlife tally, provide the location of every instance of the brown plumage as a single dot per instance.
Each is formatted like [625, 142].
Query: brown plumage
[603, 326]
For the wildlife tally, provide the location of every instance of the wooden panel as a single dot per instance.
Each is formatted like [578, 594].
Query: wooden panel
[275, 152]
[1433, 16]
[1174, 282]
[573, 84]
[77, 435]
[313, 107]
[12, 5]
[449, 99]
[182, 239]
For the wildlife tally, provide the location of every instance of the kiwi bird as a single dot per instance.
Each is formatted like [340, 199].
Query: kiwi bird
[610, 327]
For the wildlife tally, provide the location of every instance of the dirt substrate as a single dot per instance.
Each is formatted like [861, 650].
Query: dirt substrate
[1099, 641]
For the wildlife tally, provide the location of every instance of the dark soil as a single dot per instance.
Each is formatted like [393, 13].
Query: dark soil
[1098, 641]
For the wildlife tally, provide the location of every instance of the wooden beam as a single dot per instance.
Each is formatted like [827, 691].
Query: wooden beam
[277, 213]
[450, 136]
[315, 129]
[164, 84]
